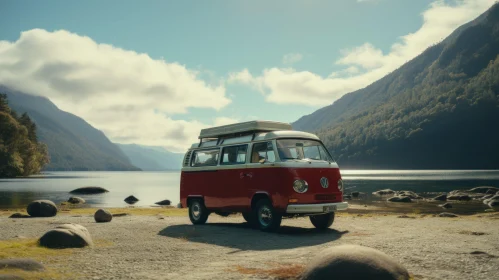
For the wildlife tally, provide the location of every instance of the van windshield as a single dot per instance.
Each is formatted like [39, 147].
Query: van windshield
[293, 149]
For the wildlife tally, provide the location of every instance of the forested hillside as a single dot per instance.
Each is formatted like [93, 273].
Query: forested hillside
[20, 152]
[440, 110]
[73, 144]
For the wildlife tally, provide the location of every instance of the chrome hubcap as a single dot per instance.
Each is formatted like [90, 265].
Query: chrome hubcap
[265, 216]
[196, 211]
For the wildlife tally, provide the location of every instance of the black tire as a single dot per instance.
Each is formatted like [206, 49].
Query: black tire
[323, 221]
[198, 214]
[266, 217]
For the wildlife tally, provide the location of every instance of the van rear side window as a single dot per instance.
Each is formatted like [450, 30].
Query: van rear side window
[205, 158]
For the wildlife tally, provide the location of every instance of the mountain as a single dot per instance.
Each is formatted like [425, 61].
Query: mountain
[73, 144]
[438, 111]
[150, 158]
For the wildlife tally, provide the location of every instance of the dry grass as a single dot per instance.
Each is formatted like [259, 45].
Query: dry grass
[281, 271]
[71, 210]
[28, 248]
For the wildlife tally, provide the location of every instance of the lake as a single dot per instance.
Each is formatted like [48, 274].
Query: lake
[150, 187]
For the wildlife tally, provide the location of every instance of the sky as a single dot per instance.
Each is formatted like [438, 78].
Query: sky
[156, 72]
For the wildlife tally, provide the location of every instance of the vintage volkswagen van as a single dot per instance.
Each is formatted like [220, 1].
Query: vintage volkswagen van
[264, 170]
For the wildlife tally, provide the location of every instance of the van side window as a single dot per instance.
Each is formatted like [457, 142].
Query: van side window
[261, 151]
[205, 158]
[234, 154]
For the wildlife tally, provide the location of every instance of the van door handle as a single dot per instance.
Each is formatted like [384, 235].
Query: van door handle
[242, 175]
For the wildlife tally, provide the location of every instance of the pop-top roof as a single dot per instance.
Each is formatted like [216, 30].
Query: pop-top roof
[251, 126]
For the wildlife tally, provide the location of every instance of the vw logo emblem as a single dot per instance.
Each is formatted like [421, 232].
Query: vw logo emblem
[324, 182]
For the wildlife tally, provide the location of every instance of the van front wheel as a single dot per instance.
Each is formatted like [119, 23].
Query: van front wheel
[322, 221]
[267, 217]
[198, 214]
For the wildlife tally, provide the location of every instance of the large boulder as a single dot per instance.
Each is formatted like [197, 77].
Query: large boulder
[42, 208]
[165, 202]
[67, 236]
[354, 262]
[89, 190]
[399, 199]
[76, 200]
[23, 264]
[131, 199]
[484, 190]
[442, 197]
[384, 192]
[103, 216]
[409, 194]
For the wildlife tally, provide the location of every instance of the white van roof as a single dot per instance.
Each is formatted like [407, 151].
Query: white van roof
[244, 127]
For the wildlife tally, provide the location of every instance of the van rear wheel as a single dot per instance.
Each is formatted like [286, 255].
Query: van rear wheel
[323, 221]
[198, 214]
[266, 217]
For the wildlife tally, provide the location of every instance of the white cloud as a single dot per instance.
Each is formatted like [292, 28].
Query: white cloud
[128, 95]
[288, 86]
[291, 58]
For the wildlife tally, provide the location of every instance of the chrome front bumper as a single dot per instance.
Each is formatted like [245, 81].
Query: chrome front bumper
[316, 208]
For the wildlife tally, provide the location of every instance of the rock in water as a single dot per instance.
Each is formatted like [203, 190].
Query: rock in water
[67, 236]
[354, 262]
[23, 264]
[165, 202]
[461, 197]
[89, 190]
[384, 192]
[131, 199]
[399, 199]
[355, 194]
[446, 205]
[484, 190]
[447, 215]
[76, 200]
[103, 216]
[42, 208]
[442, 197]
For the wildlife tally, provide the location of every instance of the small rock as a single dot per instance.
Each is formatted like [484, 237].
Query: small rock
[487, 196]
[165, 202]
[89, 190]
[483, 189]
[355, 194]
[410, 194]
[460, 197]
[19, 215]
[490, 200]
[66, 236]
[405, 216]
[399, 199]
[131, 199]
[76, 200]
[384, 192]
[354, 262]
[446, 205]
[442, 197]
[103, 216]
[179, 205]
[490, 192]
[494, 203]
[23, 264]
[42, 208]
[448, 215]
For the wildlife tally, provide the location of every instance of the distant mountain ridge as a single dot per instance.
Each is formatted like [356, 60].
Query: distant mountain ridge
[151, 158]
[439, 110]
[73, 144]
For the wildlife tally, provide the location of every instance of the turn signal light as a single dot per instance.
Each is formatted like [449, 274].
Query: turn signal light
[292, 200]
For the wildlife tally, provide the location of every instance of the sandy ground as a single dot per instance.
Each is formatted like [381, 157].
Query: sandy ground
[153, 247]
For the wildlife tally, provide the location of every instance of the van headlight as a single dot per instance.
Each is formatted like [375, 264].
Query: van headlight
[300, 186]
[340, 185]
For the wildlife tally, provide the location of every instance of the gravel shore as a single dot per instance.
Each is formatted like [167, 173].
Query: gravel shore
[155, 247]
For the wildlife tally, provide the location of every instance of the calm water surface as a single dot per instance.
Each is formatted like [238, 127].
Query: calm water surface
[150, 187]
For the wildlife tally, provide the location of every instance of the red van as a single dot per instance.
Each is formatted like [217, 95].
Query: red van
[264, 170]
